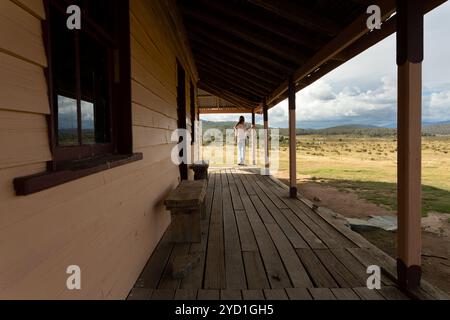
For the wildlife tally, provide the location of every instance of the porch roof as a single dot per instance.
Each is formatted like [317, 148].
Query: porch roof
[246, 50]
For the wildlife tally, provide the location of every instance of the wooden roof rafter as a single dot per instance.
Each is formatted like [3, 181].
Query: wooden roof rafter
[226, 41]
[262, 77]
[300, 15]
[247, 81]
[244, 90]
[231, 56]
[264, 22]
[286, 50]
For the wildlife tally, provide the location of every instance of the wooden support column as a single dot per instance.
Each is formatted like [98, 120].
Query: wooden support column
[266, 139]
[409, 61]
[253, 137]
[292, 140]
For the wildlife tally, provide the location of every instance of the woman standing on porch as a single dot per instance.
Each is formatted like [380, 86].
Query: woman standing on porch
[241, 133]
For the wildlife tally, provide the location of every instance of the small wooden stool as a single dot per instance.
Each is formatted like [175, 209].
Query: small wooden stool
[186, 204]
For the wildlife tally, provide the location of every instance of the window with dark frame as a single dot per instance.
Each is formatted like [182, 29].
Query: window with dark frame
[82, 72]
[89, 81]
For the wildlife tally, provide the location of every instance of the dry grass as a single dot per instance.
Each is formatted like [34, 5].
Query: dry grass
[368, 166]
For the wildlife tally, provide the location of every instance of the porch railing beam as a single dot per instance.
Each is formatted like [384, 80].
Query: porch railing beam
[409, 60]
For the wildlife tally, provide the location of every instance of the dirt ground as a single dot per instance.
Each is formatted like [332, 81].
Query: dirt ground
[435, 235]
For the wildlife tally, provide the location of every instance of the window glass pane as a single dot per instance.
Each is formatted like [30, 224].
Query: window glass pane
[94, 91]
[67, 121]
[64, 76]
[88, 122]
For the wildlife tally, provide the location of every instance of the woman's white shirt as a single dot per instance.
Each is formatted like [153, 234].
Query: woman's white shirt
[241, 132]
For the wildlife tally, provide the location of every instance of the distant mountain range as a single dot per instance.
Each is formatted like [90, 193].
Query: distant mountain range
[429, 128]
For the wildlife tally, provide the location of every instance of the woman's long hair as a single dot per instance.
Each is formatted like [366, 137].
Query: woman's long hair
[241, 121]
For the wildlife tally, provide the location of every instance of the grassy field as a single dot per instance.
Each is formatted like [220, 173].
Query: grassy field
[368, 166]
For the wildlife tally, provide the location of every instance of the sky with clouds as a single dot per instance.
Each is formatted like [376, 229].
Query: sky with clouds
[364, 90]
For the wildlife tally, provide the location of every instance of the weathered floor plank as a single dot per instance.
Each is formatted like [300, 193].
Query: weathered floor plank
[297, 273]
[319, 274]
[231, 295]
[253, 295]
[248, 241]
[367, 294]
[254, 269]
[186, 294]
[322, 294]
[234, 267]
[393, 293]
[167, 280]
[154, 269]
[140, 294]
[276, 294]
[290, 232]
[208, 295]
[215, 258]
[345, 294]
[339, 272]
[163, 294]
[298, 294]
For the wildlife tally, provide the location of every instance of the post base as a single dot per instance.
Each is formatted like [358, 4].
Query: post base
[408, 277]
[293, 193]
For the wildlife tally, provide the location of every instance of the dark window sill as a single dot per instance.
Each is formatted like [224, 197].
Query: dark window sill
[69, 172]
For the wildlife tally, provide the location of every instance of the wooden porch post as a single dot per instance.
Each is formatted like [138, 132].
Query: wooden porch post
[266, 138]
[409, 61]
[292, 140]
[253, 138]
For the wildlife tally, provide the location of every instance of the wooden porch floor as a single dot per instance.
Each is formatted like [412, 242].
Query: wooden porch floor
[258, 244]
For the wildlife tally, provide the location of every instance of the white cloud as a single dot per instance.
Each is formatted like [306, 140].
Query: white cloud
[438, 106]
[322, 102]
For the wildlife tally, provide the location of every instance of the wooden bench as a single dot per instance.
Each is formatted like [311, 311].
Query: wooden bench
[186, 204]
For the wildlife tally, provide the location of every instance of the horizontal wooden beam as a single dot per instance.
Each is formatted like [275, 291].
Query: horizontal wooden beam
[231, 56]
[239, 88]
[232, 92]
[291, 11]
[253, 52]
[238, 78]
[225, 94]
[264, 22]
[245, 34]
[213, 110]
[234, 67]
